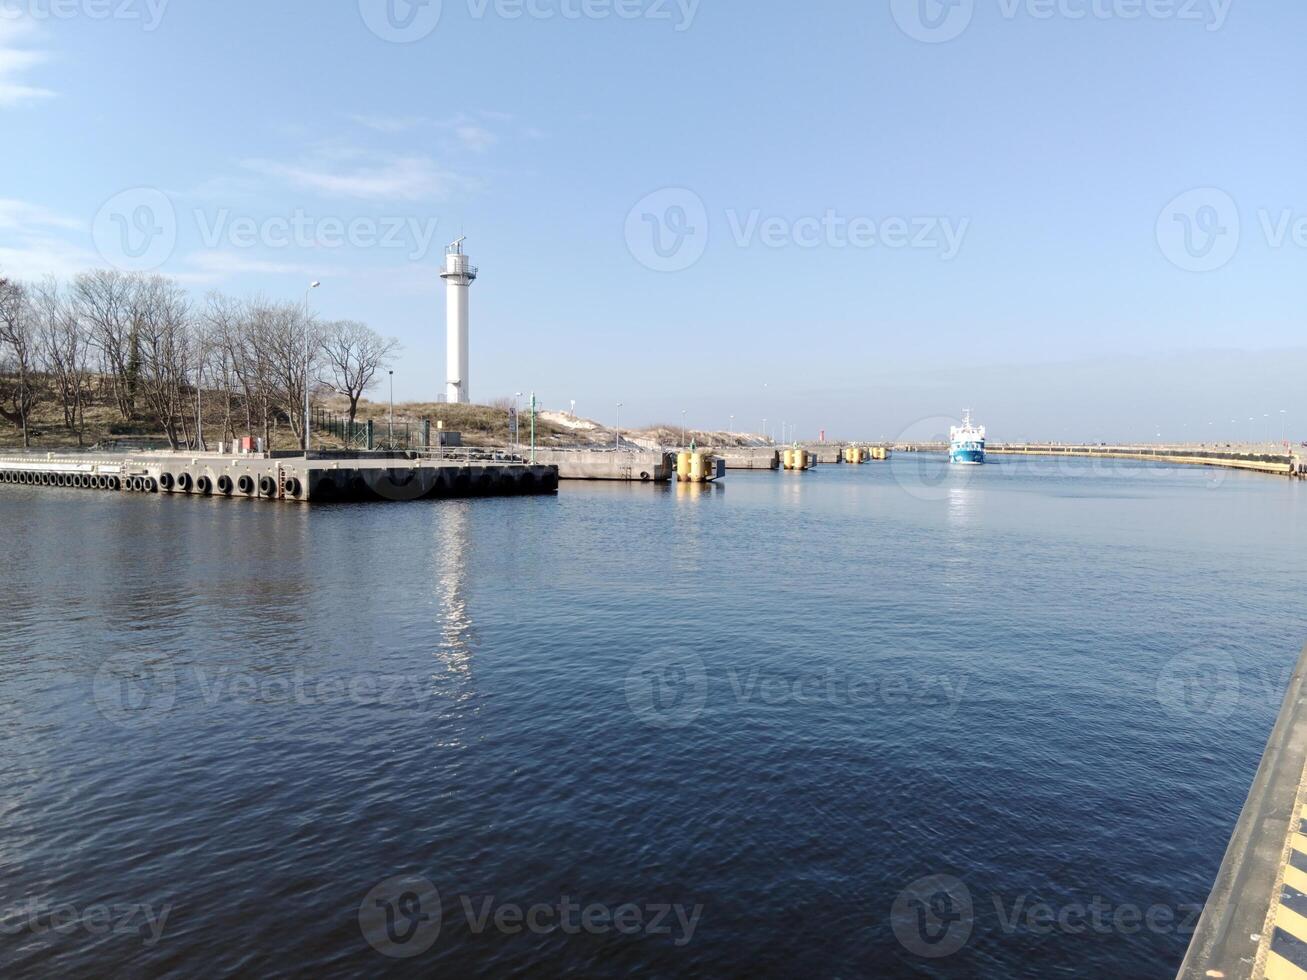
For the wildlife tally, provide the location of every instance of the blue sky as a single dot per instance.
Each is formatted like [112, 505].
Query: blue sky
[1081, 218]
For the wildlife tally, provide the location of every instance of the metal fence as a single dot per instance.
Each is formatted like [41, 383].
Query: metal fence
[369, 434]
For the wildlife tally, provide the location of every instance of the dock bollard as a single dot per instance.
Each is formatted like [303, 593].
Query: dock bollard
[692, 467]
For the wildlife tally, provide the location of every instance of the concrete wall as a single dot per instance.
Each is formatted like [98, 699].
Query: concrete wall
[749, 459]
[1231, 939]
[322, 477]
[1262, 462]
[584, 464]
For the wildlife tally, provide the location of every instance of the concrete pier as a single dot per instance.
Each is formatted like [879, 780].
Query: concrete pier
[609, 464]
[1282, 463]
[321, 477]
[824, 452]
[749, 459]
[1254, 923]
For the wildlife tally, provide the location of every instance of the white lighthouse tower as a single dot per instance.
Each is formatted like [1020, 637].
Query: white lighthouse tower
[459, 274]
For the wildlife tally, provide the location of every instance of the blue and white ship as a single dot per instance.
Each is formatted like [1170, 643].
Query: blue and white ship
[967, 442]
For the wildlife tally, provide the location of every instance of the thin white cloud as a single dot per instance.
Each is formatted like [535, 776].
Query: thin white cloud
[472, 131]
[392, 124]
[475, 138]
[22, 216]
[36, 258]
[31, 246]
[16, 95]
[210, 267]
[18, 61]
[408, 178]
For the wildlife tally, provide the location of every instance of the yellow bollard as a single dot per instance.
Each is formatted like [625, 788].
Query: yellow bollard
[698, 468]
[788, 459]
[683, 467]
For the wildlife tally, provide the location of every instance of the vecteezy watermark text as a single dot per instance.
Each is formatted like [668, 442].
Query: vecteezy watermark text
[937, 21]
[137, 230]
[1201, 230]
[936, 915]
[679, 13]
[668, 230]
[409, 21]
[831, 230]
[137, 690]
[670, 689]
[402, 917]
[835, 689]
[97, 919]
[149, 13]
[300, 229]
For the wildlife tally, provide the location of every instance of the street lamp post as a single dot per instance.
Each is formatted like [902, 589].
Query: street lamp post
[684, 440]
[618, 447]
[517, 425]
[731, 432]
[307, 357]
[392, 409]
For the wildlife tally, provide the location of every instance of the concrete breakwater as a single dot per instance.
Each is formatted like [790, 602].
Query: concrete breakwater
[320, 477]
[592, 464]
[749, 459]
[1284, 463]
[633, 467]
[1253, 923]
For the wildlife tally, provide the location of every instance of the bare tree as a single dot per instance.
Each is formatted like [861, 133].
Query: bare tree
[134, 342]
[162, 316]
[292, 346]
[106, 301]
[224, 320]
[258, 337]
[18, 358]
[353, 353]
[64, 349]
[206, 368]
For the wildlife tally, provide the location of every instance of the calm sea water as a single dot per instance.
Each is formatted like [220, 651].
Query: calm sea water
[896, 719]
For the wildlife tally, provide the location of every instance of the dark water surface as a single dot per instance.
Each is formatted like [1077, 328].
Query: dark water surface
[705, 731]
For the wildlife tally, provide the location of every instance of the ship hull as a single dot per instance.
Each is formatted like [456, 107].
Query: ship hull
[969, 455]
